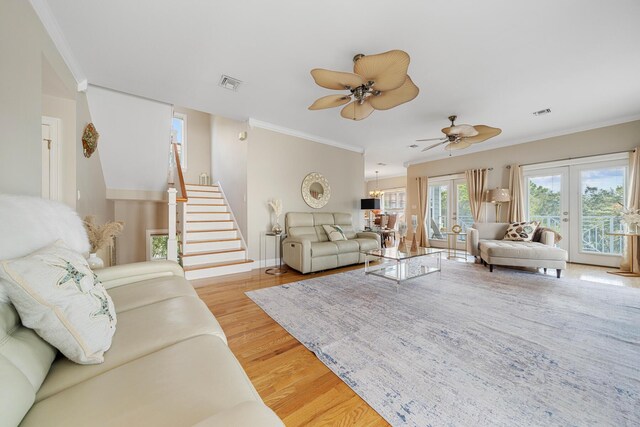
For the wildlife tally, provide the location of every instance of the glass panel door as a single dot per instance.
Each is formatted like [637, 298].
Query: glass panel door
[464, 217]
[547, 201]
[598, 197]
[438, 218]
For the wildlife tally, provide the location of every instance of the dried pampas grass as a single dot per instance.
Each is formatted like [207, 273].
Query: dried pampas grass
[101, 235]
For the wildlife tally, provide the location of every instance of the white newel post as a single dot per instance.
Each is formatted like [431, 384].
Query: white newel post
[172, 243]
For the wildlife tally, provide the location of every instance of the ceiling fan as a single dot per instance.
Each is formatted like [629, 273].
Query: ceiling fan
[458, 137]
[378, 82]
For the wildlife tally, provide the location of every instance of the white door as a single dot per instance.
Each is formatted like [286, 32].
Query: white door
[582, 202]
[50, 157]
[597, 193]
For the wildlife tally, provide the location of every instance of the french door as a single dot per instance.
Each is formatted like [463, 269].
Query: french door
[448, 205]
[581, 202]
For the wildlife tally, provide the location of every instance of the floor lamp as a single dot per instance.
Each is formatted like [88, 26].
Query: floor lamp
[498, 196]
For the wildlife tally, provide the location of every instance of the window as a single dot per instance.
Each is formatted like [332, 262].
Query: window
[179, 136]
[394, 202]
[448, 200]
[157, 244]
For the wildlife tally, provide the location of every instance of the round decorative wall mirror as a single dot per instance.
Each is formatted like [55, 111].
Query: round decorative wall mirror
[315, 190]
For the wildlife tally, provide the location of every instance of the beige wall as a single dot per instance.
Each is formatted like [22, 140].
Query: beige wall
[611, 139]
[229, 161]
[138, 217]
[276, 166]
[198, 144]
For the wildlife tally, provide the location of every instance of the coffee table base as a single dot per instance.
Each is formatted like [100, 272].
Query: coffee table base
[401, 270]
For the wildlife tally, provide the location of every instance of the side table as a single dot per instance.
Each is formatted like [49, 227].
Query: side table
[452, 246]
[277, 253]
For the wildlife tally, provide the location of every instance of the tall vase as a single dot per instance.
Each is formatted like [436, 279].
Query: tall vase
[95, 262]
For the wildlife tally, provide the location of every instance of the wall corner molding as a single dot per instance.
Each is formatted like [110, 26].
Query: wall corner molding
[253, 123]
[42, 9]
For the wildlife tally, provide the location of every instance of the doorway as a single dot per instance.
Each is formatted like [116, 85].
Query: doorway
[581, 200]
[50, 157]
[448, 205]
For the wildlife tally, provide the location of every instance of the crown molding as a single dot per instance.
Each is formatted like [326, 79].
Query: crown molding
[253, 123]
[540, 137]
[42, 9]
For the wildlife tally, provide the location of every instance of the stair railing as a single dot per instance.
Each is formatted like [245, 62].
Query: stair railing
[178, 200]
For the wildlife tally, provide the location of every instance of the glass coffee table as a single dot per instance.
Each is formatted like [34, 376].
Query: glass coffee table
[398, 266]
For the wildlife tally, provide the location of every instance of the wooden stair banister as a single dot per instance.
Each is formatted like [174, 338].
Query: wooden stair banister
[183, 189]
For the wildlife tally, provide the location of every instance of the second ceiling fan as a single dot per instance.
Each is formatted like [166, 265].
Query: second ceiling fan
[458, 137]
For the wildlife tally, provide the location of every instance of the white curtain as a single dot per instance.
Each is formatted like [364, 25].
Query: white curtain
[423, 204]
[633, 202]
[516, 190]
[476, 186]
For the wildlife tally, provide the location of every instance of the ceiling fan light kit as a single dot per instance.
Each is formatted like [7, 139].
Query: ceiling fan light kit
[459, 137]
[378, 82]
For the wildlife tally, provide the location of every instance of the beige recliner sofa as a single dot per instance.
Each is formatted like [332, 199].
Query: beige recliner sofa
[485, 242]
[308, 249]
[168, 365]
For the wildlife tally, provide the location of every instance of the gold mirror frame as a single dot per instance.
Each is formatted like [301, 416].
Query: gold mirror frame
[309, 180]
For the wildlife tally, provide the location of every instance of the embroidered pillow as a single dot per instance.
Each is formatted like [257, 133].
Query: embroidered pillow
[334, 232]
[58, 296]
[521, 231]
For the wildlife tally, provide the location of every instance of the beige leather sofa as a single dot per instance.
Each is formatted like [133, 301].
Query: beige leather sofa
[485, 242]
[169, 364]
[308, 249]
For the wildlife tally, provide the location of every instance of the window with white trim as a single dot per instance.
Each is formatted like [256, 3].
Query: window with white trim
[394, 201]
[179, 136]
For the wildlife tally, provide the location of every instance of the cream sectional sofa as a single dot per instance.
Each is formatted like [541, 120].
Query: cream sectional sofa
[485, 242]
[308, 249]
[168, 365]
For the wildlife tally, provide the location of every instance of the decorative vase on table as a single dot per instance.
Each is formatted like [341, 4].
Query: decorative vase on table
[95, 262]
[276, 229]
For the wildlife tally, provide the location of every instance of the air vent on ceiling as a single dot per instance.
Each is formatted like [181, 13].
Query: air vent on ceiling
[230, 83]
[542, 112]
[382, 164]
[413, 146]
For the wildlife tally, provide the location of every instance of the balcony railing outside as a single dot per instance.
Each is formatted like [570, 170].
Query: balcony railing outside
[594, 232]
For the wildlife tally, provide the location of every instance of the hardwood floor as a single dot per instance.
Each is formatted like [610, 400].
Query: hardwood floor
[290, 379]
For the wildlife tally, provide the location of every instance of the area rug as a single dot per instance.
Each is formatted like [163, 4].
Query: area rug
[473, 348]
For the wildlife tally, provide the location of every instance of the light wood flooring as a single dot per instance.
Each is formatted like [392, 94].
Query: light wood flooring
[290, 379]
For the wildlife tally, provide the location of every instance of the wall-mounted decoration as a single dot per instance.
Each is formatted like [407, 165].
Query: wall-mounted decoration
[315, 190]
[89, 140]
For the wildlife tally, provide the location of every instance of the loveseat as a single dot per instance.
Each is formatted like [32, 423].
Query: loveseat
[486, 242]
[168, 365]
[307, 247]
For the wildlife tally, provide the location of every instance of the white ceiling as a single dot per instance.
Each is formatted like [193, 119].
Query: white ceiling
[491, 62]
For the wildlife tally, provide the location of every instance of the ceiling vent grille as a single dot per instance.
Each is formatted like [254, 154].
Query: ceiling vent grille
[230, 83]
[542, 112]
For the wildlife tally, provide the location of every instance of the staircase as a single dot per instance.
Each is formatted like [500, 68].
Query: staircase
[211, 244]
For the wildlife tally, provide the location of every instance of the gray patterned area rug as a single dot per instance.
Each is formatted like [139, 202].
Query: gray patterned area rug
[473, 348]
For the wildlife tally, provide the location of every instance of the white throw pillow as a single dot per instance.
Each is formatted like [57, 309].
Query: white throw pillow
[334, 232]
[57, 295]
[521, 231]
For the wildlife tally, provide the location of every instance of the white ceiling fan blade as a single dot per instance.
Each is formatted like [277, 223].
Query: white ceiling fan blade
[434, 146]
